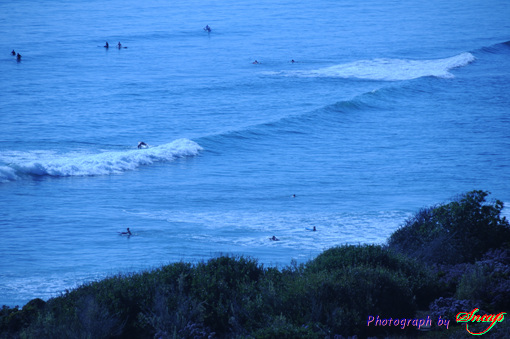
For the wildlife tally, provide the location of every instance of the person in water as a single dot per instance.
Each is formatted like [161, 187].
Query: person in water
[207, 28]
[119, 45]
[314, 229]
[142, 144]
[13, 53]
[274, 238]
[18, 57]
[292, 61]
[107, 45]
[126, 233]
[255, 62]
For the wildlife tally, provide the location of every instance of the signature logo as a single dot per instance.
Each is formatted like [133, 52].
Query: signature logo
[464, 317]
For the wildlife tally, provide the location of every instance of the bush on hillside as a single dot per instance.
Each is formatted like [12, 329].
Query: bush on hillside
[420, 279]
[458, 232]
[229, 290]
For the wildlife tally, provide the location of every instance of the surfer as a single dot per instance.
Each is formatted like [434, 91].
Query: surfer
[293, 195]
[18, 57]
[119, 45]
[13, 53]
[314, 229]
[274, 238]
[255, 62]
[292, 61]
[128, 233]
[142, 144]
[107, 45]
[207, 29]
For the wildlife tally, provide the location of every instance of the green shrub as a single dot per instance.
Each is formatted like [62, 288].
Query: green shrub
[460, 231]
[280, 327]
[228, 288]
[14, 320]
[420, 279]
[11, 320]
[88, 320]
[340, 301]
[174, 313]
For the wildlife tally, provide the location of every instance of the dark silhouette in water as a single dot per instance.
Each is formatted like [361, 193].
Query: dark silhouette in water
[128, 233]
[107, 45]
[274, 238]
[13, 53]
[18, 57]
[207, 29]
[119, 45]
[142, 144]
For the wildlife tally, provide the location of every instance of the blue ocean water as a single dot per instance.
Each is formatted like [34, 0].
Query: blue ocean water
[389, 106]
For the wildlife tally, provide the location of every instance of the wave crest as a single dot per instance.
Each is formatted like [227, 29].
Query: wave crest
[99, 164]
[390, 69]
[7, 174]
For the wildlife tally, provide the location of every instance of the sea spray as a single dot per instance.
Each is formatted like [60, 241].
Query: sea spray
[111, 162]
[389, 69]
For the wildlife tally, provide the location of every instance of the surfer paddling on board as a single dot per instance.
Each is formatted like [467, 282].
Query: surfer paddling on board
[128, 233]
[274, 238]
[142, 144]
[207, 29]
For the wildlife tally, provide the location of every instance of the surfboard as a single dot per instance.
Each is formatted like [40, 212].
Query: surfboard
[127, 235]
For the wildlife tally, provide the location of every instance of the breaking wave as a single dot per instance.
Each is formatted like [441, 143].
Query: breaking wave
[44, 163]
[389, 69]
[7, 174]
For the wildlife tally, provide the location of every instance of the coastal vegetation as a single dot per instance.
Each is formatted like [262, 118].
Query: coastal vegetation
[445, 259]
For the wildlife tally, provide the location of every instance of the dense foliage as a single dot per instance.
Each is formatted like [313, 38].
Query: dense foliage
[458, 232]
[236, 297]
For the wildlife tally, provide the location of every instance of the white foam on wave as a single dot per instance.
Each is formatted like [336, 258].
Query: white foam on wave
[247, 231]
[7, 174]
[74, 164]
[389, 69]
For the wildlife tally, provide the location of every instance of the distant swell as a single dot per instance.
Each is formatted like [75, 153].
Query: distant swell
[95, 164]
[502, 48]
[389, 69]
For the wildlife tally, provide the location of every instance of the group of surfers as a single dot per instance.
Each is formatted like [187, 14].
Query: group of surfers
[17, 55]
[107, 45]
[119, 46]
[273, 238]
